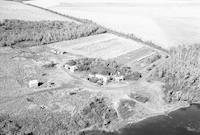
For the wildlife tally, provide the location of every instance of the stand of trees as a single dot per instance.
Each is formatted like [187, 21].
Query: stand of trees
[31, 33]
[181, 74]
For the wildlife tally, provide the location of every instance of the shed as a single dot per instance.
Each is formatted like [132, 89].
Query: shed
[33, 83]
[103, 77]
[119, 78]
[73, 68]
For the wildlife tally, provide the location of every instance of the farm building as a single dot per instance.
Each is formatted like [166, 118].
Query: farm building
[33, 83]
[118, 78]
[104, 78]
[91, 75]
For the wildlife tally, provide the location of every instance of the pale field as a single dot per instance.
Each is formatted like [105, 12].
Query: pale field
[105, 46]
[15, 10]
[135, 55]
[166, 23]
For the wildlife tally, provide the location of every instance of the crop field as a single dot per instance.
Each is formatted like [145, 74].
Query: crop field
[15, 10]
[135, 55]
[167, 23]
[103, 46]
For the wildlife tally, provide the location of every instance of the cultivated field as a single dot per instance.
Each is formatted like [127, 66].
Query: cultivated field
[15, 10]
[135, 55]
[167, 23]
[104, 46]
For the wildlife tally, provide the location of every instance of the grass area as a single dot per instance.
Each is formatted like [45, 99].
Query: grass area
[32, 33]
[181, 74]
[126, 108]
[97, 114]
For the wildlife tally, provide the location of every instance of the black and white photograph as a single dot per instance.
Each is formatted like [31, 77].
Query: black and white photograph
[99, 67]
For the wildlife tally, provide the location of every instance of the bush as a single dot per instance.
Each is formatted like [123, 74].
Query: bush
[93, 79]
[71, 63]
[125, 108]
[104, 67]
[31, 33]
[153, 58]
[139, 97]
[133, 76]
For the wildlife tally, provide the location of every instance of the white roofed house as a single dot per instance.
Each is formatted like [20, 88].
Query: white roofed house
[91, 75]
[33, 83]
[119, 78]
[103, 77]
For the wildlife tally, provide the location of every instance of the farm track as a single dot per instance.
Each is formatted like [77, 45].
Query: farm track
[9, 99]
[54, 12]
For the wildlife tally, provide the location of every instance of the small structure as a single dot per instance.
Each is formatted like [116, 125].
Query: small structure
[66, 66]
[53, 51]
[91, 75]
[119, 78]
[58, 52]
[33, 83]
[73, 68]
[103, 78]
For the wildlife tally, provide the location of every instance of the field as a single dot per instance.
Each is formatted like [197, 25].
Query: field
[105, 46]
[15, 10]
[64, 93]
[135, 55]
[166, 23]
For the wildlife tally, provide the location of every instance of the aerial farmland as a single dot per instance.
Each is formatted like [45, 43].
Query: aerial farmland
[61, 73]
[166, 23]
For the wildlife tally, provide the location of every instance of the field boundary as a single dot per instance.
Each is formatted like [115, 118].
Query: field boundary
[120, 34]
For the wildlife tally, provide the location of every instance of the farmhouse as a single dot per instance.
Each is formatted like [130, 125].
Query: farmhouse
[118, 78]
[104, 78]
[33, 83]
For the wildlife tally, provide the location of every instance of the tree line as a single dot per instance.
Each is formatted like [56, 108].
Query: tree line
[181, 74]
[32, 33]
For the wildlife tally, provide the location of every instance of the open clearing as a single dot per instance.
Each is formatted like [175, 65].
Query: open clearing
[62, 91]
[165, 22]
[103, 46]
[135, 55]
[16, 10]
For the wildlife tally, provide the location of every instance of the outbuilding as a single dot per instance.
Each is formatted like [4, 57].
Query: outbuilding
[119, 78]
[104, 78]
[33, 83]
